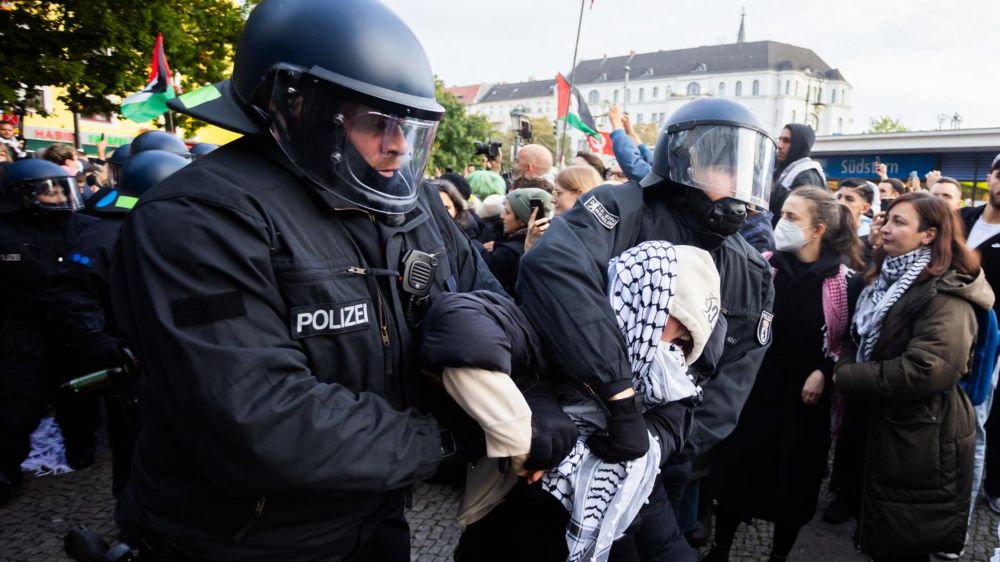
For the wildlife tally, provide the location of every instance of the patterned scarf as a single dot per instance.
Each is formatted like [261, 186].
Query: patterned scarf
[604, 498]
[897, 276]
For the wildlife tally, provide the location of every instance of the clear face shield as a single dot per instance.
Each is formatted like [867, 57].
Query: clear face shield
[57, 194]
[723, 160]
[369, 157]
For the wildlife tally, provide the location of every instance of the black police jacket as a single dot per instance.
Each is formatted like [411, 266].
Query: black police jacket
[563, 292]
[278, 367]
[32, 247]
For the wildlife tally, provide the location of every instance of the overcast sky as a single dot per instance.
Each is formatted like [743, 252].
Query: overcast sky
[912, 59]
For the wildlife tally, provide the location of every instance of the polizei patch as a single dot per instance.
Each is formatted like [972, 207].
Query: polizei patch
[603, 215]
[328, 318]
[764, 327]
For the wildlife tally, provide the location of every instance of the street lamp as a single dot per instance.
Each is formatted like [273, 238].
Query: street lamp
[520, 124]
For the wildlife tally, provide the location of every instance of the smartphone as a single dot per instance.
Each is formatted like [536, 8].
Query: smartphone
[102, 136]
[537, 204]
[914, 175]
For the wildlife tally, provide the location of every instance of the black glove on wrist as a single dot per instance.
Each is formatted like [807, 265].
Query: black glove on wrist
[553, 433]
[625, 437]
[462, 439]
[670, 423]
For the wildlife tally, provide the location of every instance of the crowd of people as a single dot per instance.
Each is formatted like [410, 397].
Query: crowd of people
[615, 359]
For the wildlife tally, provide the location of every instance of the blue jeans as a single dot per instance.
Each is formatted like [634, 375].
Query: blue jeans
[982, 414]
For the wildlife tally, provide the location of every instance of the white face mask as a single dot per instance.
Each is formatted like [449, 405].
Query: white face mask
[788, 237]
[671, 372]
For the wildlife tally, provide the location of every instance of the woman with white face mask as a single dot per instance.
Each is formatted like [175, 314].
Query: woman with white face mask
[784, 429]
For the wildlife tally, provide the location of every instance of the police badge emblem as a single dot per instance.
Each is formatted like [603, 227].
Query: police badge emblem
[764, 327]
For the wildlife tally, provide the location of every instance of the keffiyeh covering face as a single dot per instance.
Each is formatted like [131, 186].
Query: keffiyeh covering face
[603, 498]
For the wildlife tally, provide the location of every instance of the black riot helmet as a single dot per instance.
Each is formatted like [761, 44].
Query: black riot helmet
[159, 140]
[345, 89]
[201, 149]
[117, 161]
[39, 185]
[716, 146]
[148, 168]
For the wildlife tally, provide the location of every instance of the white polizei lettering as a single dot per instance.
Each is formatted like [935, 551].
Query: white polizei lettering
[303, 320]
[362, 313]
[317, 325]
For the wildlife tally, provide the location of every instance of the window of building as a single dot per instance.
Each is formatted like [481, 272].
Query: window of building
[833, 96]
[843, 97]
[668, 91]
[794, 118]
[628, 95]
[787, 84]
[642, 94]
[656, 91]
[694, 89]
[594, 97]
[663, 117]
[840, 124]
[722, 89]
[756, 88]
[796, 87]
[739, 88]
[615, 97]
[638, 118]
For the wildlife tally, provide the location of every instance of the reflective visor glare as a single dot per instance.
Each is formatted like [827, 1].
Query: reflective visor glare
[725, 160]
[388, 144]
[57, 194]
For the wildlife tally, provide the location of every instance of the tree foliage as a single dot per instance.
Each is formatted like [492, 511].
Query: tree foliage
[886, 124]
[453, 144]
[648, 132]
[96, 49]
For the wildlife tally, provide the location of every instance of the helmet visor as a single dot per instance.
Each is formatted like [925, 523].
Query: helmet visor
[368, 156]
[723, 160]
[55, 194]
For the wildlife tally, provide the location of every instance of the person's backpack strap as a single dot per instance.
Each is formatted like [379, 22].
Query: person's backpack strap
[978, 383]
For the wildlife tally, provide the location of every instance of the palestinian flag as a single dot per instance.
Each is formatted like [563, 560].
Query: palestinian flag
[577, 114]
[151, 102]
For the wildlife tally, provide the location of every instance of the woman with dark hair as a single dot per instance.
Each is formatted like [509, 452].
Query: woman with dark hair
[785, 424]
[911, 338]
[592, 160]
[456, 207]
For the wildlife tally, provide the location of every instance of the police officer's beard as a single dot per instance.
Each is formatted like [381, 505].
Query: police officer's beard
[724, 217]
[396, 185]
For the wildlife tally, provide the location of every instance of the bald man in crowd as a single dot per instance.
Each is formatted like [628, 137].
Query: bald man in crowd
[534, 161]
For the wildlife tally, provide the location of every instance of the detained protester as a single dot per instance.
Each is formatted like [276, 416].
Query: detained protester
[696, 195]
[271, 291]
[911, 337]
[37, 227]
[785, 425]
[666, 300]
[794, 166]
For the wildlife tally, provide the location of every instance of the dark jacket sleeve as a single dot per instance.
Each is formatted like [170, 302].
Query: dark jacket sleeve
[808, 177]
[935, 358]
[563, 289]
[196, 292]
[725, 394]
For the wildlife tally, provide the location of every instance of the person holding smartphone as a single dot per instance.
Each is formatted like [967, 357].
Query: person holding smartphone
[504, 256]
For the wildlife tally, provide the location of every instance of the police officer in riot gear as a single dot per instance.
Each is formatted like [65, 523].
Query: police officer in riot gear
[712, 159]
[202, 149]
[268, 291]
[37, 225]
[158, 140]
[81, 314]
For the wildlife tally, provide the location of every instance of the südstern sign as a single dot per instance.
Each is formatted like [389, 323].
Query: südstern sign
[863, 165]
[66, 136]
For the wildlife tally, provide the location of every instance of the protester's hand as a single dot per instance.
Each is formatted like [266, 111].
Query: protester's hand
[932, 177]
[553, 433]
[615, 115]
[536, 228]
[102, 148]
[813, 388]
[488, 246]
[625, 438]
[881, 170]
[875, 232]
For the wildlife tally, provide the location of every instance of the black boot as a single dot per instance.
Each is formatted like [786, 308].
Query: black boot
[836, 513]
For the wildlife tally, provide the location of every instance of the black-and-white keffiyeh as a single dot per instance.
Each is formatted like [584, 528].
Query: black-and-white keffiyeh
[602, 497]
[897, 276]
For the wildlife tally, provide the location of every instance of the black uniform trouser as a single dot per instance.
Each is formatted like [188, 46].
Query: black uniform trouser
[655, 536]
[25, 388]
[991, 485]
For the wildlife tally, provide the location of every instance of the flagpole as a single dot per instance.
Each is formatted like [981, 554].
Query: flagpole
[569, 96]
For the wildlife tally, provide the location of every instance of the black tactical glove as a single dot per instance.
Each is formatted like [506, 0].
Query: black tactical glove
[462, 439]
[625, 437]
[671, 424]
[553, 433]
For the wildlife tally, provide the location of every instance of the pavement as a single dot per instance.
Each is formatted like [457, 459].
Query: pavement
[33, 523]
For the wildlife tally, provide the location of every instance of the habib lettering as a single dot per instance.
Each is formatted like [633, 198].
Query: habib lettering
[329, 318]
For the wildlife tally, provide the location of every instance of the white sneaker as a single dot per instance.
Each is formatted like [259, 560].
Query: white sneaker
[994, 503]
[948, 555]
